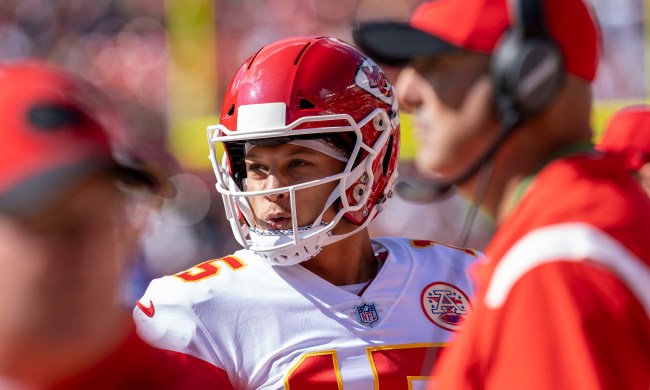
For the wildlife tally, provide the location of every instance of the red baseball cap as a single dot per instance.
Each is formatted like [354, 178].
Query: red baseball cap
[55, 132]
[444, 26]
[628, 133]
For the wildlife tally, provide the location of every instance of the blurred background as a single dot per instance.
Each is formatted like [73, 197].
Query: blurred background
[167, 63]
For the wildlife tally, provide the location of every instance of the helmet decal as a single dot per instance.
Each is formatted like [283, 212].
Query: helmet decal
[372, 79]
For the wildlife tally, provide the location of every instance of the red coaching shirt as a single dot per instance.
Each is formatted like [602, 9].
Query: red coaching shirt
[565, 299]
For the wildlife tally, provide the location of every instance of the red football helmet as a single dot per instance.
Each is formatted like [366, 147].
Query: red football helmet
[308, 87]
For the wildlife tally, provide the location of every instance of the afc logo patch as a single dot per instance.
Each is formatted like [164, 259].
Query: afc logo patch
[445, 305]
[367, 313]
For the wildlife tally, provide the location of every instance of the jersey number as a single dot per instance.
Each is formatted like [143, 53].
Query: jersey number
[394, 367]
[209, 269]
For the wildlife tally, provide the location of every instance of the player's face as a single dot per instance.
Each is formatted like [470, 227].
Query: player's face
[61, 269]
[272, 167]
[450, 99]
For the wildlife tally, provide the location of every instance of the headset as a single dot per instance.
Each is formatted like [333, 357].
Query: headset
[527, 66]
[527, 70]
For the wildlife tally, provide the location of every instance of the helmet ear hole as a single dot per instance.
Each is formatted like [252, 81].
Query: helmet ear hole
[380, 123]
[231, 110]
[387, 156]
[306, 104]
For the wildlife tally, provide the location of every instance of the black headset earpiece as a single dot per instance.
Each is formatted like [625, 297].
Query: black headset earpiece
[527, 66]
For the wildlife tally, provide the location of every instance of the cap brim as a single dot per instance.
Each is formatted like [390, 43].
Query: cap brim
[396, 43]
[39, 193]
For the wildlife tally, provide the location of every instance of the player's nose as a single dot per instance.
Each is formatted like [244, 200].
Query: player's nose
[276, 181]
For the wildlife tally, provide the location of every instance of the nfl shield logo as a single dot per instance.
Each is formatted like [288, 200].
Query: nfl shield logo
[367, 313]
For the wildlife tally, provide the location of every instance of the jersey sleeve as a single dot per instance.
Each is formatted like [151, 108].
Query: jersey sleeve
[165, 319]
[563, 325]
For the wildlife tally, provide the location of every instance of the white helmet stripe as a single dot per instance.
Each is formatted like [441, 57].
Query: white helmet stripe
[256, 117]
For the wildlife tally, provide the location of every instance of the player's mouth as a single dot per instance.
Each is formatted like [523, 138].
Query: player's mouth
[277, 222]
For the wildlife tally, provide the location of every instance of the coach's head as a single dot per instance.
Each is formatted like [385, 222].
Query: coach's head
[491, 80]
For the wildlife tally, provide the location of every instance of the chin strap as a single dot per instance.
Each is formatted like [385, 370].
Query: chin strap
[286, 251]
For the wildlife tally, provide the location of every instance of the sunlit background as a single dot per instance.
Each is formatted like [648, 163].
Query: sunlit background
[167, 64]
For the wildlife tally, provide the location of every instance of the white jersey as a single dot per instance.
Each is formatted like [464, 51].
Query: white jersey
[272, 327]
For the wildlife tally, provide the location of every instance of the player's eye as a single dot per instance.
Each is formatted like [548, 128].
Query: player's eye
[255, 168]
[298, 163]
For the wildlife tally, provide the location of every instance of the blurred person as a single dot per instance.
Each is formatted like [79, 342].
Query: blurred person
[311, 136]
[72, 203]
[501, 93]
[628, 133]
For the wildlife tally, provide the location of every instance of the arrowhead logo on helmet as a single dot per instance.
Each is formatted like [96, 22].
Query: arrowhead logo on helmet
[372, 79]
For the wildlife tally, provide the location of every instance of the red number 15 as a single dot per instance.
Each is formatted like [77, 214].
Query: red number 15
[394, 367]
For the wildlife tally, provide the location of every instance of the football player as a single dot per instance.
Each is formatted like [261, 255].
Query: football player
[310, 131]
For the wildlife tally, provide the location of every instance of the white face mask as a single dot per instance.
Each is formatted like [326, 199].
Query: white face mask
[283, 250]
[301, 243]
[287, 253]
[298, 243]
